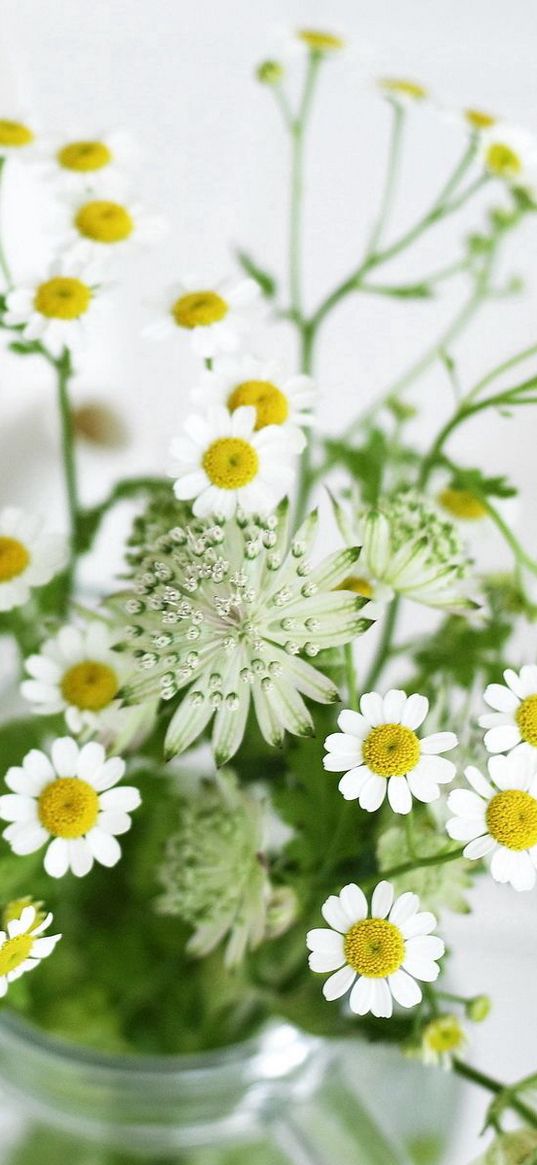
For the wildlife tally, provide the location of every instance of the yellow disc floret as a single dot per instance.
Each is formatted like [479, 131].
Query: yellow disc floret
[269, 401]
[478, 119]
[444, 1035]
[230, 462]
[90, 685]
[502, 160]
[104, 221]
[199, 309]
[512, 819]
[319, 41]
[62, 298]
[14, 952]
[68, 807]
[526, 718]
[14, 558]
[391, 750]
[14, 134]
[84, 156]
[374, 948]
[462, 504]
[399, 86]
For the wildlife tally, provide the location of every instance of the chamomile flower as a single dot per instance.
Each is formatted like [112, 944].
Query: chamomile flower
[85, 161]
[29, 557]
[216, 315]
[380, 753]
[404, 90]
[55, 309]
[23, 944]
[514, 719]
[223, 462]
[377, 958]
[322, 42]
[278, 400]
[497, 818]
[443, 1039]
[510, 153]
[102, 225]
[226, 612]
[69, 804]
[78, 673]
[461, 504]
[16, 137]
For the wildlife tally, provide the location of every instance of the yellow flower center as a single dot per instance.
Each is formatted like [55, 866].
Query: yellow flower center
[502, 160]
[462, 504]
[356, 584]
[68, 807]
[319, 41]
[391, 750]
[230, 462]
[478, 119]
[84, 156]
[104, 222]
[62, 298]
[15, 134]
[14, 558]
[271, 404]
[399, 85]
[199, 309]
[444, 1034]
[90, 685]
[374, 948]
[14, 952]
[512, 819]
[526, 718]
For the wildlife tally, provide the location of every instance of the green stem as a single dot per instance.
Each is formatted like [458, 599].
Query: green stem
[298, 130]
[494, 1086]
[350, 675]
[392, 170]
[458, 173]
[418, 864]
[64, 370]
[4, 265]
[384, 647]
[505, 366]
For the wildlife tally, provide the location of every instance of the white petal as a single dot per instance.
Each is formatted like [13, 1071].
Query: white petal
[423, 787]
[80, 857]
[500, 698]
[421, 923]
[399, 795]
[424, 946]
[438, 742]
[334, 914]
[91, 757]
[322, 961]
[415, 711]
[57, 858]
[341, 762]
[29, 837]
[479, 847]
[104, 847]
[361, 996]
[420, 968]
[123, 799]
[467, 804]
[114, 822]
[371, 706]
[404, 989]
[65, 756]
[460, 830]
[503, 738]
[373, 793]
[42, 947]
[352, 723]
[339, 983]
[478, 782]
[352, 783]
[353, 902]
[394, 705]
[15, 807]
[38, 768]
[404, 908]
[382, 900]
[381, 1000]
[108, 775]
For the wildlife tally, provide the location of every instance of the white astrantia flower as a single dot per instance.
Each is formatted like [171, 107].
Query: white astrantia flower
[77, 672]
[497, 818]
[226, 612]
[223, 461]
[514, 720]
[23, 944]
[278, 399]
[216, 315]
[101, 224]
[17, 137]
[410, 548]
[55, 308]
[69, 804]
[509, 152]
[380, 753]
[85, 160]
[379, 957]
[29, 557]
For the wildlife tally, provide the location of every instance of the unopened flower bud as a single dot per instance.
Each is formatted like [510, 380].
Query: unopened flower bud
[269, 72]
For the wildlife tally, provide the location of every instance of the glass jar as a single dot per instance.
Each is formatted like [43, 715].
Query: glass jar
[279, 1099]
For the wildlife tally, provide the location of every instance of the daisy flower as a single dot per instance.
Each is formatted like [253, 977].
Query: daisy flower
[223, 462]
[497, 818]
[509, 152]
[101, 225]
[322, 42]
[380, 753]
[514, 719]
[23, 944]
[28, 556]
[85, 161]
[78, 673]
[16, 137]
[402, 89]
[217, 316]
[377, 958]
[226, 612]
[443, 1039]
[69, 804]
[55, 309]
[277, 399]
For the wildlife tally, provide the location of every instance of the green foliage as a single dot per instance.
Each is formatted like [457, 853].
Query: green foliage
[263, 278]
[125, 490]
[478, 484]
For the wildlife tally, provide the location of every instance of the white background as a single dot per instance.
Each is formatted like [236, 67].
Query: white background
[179, 76]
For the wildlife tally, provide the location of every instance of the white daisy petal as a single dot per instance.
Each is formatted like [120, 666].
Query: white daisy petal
[399, 795]
[404, 908]
[352, 783]
[353, 902]
[64, 754]
[372, 708]
[373, 793]
[478, 782]
[339, 983]
[382, 900]
[500, 698]
[415, 711]
[361, 996]
[502, 738]
[394, 705]
[479, 847]
[104, 847]
[404, 989]
[438, 742]
[57, 858]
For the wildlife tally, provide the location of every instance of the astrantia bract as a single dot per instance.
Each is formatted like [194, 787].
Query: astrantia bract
[226, 612]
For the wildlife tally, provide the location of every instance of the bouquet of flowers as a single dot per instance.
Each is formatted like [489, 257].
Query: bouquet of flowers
[207, 782]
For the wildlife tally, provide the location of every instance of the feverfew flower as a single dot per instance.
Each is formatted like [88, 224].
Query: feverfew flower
[101, 226]
[68, 803]
[23, 944]
[515, 1148]
[28, 556]
[217, 316]
[510, 153]
[278, 399]
[56, 308]
[378, 958]
[514, 719]
[380, 753]
[226, 612]
[224, 462]
[16, 137]
[318, 41]
[443, 1039]
[498, 817]
[84, 161]
[403, 90]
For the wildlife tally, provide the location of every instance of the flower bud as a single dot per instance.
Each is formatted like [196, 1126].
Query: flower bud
[269, 72]
[478, 1008]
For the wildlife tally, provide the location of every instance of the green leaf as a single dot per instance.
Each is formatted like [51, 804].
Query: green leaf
[264, 279]
[129, 487]
[476, 482]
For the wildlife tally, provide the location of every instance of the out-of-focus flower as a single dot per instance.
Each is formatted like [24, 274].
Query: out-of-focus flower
[442, 1039]
[54, 310]
[85, 161]
[98, 424]
[101, 226]
[285, 401]
[22, 946]
[29, 557]
[509, 152]
[517, 1148]
[513, 723]
[216, 316]
[402, 89]
[16, 137]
